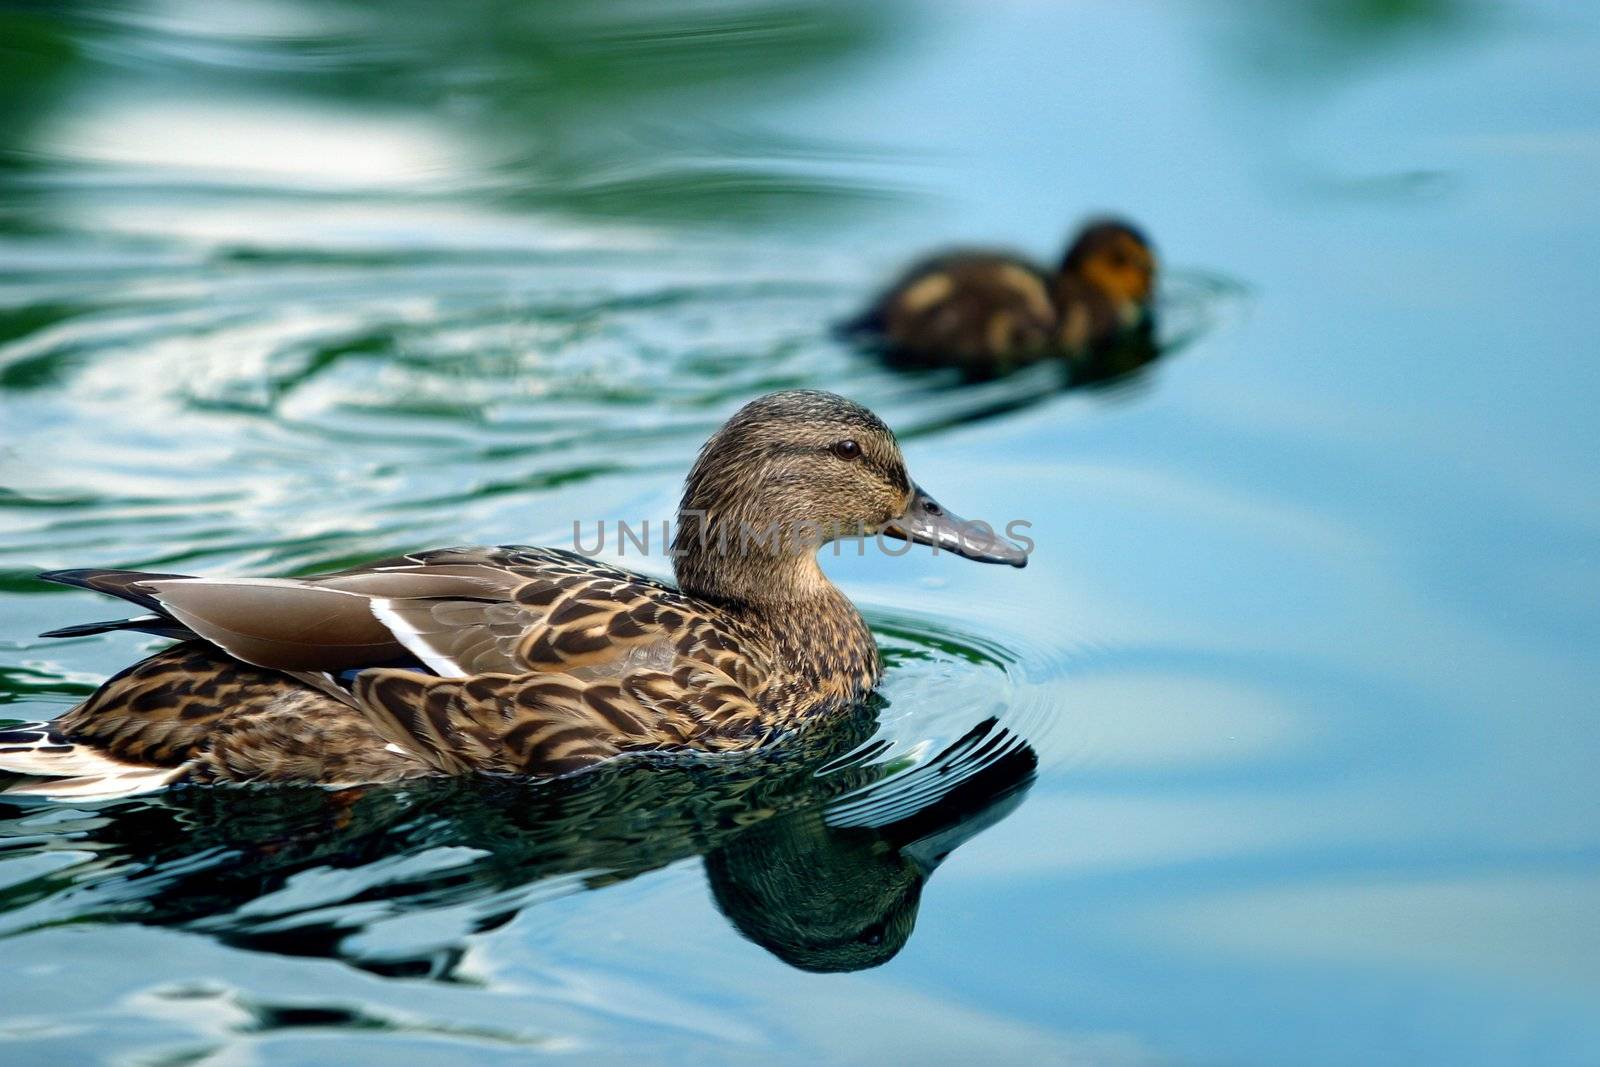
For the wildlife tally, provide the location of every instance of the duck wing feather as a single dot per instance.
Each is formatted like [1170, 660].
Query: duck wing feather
[461, 611]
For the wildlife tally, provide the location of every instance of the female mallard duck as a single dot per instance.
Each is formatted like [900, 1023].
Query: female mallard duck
[514, 660]
[989, 313]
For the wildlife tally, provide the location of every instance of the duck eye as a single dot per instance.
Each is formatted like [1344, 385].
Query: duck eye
[846, 449]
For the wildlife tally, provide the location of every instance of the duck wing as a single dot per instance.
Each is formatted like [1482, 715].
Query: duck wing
[460, 611]
[285, 624]
[549, 611]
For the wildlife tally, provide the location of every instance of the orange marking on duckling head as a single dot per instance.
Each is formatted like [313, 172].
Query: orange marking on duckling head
[1116, 260]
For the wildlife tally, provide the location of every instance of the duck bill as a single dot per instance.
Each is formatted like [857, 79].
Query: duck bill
[927, 522]
[926, 853]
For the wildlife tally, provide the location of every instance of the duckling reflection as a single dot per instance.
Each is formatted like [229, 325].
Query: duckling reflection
[817, 854]
[990, 313]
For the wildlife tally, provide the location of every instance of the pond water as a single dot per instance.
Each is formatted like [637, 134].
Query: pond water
[1282, 749]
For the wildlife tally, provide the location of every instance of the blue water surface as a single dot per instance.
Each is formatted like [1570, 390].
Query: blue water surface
[1281, 750]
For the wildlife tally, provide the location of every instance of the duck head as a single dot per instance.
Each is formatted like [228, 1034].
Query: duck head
[1114, 259]
[792, 471]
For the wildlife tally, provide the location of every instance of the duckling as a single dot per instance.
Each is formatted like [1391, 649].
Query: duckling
[514, 660]
[989, 313]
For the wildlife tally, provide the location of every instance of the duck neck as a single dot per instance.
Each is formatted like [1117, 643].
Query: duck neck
[775, 578]
[813, 626]
[770, 580]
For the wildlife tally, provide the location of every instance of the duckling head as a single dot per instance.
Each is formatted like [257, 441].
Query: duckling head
[791, 471]
[1115, 259]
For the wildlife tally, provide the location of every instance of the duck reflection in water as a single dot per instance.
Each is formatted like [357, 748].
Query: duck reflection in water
[818, 854]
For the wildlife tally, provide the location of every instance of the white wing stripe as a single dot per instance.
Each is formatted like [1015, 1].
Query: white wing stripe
[416, 643]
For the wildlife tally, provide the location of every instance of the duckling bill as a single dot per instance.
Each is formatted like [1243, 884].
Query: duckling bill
[513, 660]
[989, 313]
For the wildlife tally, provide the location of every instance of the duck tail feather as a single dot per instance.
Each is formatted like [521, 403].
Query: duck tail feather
[61, 767]
[125, 585]
[159, 625]
[97, 787]
[859, 325]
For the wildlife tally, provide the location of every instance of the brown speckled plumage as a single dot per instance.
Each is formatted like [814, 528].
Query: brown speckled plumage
[510, 660]
[989, 313]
